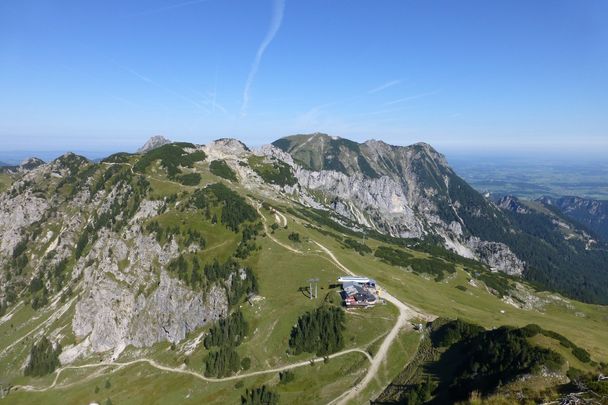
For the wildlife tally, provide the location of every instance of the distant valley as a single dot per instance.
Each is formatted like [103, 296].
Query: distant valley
[534, 177]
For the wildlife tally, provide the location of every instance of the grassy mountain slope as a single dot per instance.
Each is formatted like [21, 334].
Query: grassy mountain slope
[281, 267]
[553, 259]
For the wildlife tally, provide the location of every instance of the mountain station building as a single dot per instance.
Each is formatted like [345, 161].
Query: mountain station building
[358, 291]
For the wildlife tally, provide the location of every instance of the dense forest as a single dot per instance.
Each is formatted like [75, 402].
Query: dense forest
[275, 172]
[432, 266]
[554, 262]
[247, 244]
[229, 331]
[223, 362]
[319, 331]
[359, 247]
[189, 179]
[260, 396]
[239, 286]
[497, 357]
[464, 358]
[44, 358]
[223, 338]
[235, 209]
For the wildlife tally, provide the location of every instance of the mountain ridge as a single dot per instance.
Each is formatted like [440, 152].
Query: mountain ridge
[589, 212]
[431, 199]
[140, 258]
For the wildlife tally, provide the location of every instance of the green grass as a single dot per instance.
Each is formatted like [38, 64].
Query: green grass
[400, 352]
[5, 181]
[24, 321]
[282, 274]
[163, 188]
[479, 306]
[281, 278]
[321, 383]
[584, 324]
[312, 384]
[270, 320]
[220, 242]
[554, 345]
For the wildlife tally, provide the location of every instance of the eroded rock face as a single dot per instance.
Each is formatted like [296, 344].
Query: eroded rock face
[129, 299]
[114, 314]
[498, 256]
[378, 203]
[592, 213]
[30, 164]
[399, 191]
[225, 148]
[124, 294]
[16, 213]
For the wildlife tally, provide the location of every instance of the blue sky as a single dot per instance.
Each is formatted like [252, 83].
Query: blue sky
[462, 75]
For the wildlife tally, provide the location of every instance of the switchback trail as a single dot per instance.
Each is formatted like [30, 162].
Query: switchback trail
[406, 313]
[269, 233]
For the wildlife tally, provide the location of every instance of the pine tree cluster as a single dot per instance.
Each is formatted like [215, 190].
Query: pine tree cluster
[319, 331]
[260, 396]
[44, 359]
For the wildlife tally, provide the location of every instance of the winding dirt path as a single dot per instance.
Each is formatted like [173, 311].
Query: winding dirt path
[178, 370]
[280, 218]
[257, 206]
[406, 313]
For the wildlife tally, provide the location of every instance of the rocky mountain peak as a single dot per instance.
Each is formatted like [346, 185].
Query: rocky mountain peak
[428, 150]
[30, 164]
[153, 143]
[225, 148]
[232, 143]
[70, 156]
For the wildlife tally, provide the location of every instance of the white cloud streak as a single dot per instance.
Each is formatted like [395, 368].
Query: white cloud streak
[195, 104]
[414, 97]
[384, 86]
[275, 24]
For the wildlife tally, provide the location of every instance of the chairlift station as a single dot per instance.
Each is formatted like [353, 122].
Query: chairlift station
[358, 292]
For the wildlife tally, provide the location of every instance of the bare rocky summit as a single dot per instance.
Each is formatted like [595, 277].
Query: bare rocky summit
[153, 143]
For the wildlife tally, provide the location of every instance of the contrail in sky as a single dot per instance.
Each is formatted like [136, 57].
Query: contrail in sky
[275, 24]
[384, 86]
[414, 97]
[165, 89]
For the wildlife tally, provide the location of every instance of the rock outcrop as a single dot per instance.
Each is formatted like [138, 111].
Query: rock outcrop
[114, 315]
[153, 143]
[407, 192]
[30, 164]
[591, 213]
[123, 292]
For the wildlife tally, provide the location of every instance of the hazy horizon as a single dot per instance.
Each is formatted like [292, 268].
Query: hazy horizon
[497, 156]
